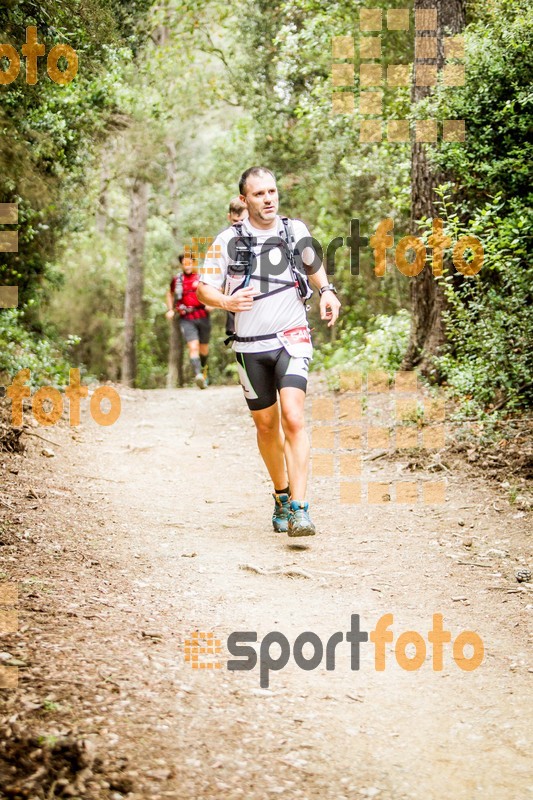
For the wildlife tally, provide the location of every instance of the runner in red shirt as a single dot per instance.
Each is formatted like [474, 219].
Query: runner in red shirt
[194, 317]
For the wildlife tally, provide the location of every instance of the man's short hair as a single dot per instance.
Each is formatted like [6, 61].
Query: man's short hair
[236, 206]
[253, 171]
[181, 257]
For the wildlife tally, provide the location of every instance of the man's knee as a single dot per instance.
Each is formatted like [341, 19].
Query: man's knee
[293, 421]
[266, 425]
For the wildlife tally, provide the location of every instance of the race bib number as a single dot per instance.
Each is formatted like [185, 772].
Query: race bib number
[297, 342]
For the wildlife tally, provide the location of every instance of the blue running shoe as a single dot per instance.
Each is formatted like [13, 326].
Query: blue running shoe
[280, 517]
[299, 520]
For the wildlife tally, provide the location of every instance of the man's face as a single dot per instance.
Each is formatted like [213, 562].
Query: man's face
[187, 265]
[234, 217]
[261, 199]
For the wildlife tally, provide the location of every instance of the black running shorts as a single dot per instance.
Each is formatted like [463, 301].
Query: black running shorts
[196, 329]
[263, 374]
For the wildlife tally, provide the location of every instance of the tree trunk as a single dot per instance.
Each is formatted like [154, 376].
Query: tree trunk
[105, 179]
[175, 355]
[135, 276]
[175, 349]
[173, 184]
[427, 297]
[161, 34]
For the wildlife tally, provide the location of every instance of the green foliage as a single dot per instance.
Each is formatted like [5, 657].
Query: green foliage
[47, 129]
[212, 88]
[489, 361]
[50, 706]
[48, 133]
[326, 177]
[497, 104]
[48, 361]
[90, 303]
[380, 346]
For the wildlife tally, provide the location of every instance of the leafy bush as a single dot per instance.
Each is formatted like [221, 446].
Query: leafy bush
[48, 361]
[488, 361]
[381, 347]
[496, 103]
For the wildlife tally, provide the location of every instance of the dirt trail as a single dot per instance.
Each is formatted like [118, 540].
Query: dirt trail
[138, 538]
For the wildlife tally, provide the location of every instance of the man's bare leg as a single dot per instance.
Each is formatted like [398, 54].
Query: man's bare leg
[297, 447]
[270, 443]
[297, 457]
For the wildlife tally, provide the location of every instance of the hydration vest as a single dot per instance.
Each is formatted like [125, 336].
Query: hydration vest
[178, 289]
[243, 265]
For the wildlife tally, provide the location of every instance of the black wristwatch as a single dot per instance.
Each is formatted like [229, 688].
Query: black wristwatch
[328, 288]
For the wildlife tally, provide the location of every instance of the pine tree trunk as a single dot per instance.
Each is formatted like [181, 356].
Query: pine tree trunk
[105, 179]
[427, 297]
[135, 276]
[175, 349]
[175, 355]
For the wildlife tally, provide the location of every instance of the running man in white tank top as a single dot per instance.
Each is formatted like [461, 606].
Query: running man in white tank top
[272, 340]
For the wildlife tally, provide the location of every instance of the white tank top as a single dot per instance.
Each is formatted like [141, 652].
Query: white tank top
[273, 314]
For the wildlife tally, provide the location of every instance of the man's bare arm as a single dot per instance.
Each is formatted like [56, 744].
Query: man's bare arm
[329, 302]
[242, 300]
[210, 296]
[169, 300]
[319, 278]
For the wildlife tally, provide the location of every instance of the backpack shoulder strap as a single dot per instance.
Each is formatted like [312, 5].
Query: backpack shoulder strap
[243, 236]
[302, 280]
[288, 229]
[244, 254]
[290, 238]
